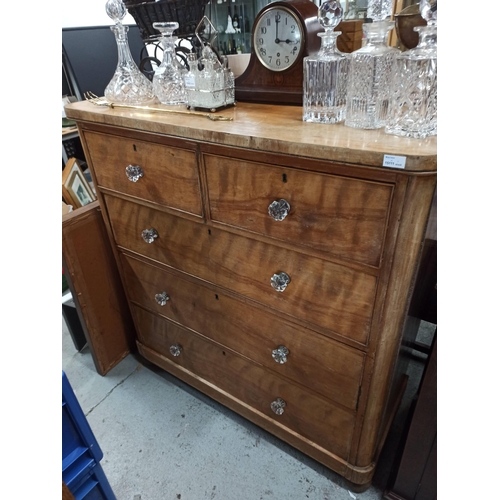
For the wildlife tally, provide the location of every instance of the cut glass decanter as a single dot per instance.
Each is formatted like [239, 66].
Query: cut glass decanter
[413, 105]
[370, 68]
[168, 79]
[128, 85]
[325, 73]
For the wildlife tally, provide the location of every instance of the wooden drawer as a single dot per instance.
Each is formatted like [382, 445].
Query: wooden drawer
[315, 361]
[170, 175]
[305, 413]
[338, 216]
[329, 295]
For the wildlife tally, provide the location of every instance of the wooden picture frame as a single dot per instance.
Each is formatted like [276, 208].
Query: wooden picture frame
[76, 191]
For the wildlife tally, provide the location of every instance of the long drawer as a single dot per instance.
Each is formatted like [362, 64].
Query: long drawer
[320, 292]
[169, 175]
[305, 413]
[338, 216]
[327, 367]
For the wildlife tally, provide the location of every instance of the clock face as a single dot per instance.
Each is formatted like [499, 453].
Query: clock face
[278, 38]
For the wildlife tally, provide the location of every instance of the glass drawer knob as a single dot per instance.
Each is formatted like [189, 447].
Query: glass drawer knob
[175, 350]
[279, 281]
[278, 406]
[280, 354]
[162, 298]
[134, 173]
[149, 235]
[278, 210]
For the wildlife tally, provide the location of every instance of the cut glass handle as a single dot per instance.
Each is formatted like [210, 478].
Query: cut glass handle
[278, 210]
[278, 406]
[149, 235]
[162, 298]
[280, 281]
[280, 354]
[175, 350]
[134, 173]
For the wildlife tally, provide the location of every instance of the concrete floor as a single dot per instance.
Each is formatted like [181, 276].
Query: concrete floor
[163, 440]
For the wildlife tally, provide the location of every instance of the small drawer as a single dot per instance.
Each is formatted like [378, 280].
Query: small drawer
[304, 413]
[160, 174]
[338, 216]
[320, 292]
[327, 367]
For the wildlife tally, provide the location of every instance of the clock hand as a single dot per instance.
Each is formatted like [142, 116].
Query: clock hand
[277, 40]
[290, 41]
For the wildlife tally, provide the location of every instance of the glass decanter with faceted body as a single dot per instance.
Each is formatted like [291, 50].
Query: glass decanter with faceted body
[325, 74]
[128, 85]
[168, 79]
[413, 105]
[370, 67]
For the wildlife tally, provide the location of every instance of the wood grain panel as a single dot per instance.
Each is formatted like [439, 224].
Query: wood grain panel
[325, 366]
[309, 415]
[338, 216]
[170, 174]
[96, 287]
[278, 129]
[320, 292]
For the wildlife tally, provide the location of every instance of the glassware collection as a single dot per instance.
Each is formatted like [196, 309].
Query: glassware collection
[210, 82]
[376, 86]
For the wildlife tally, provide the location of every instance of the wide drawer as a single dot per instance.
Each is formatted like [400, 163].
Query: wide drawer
[305, 413]
[336, 215]
[169, 174]
[320, 292]
[313, 360]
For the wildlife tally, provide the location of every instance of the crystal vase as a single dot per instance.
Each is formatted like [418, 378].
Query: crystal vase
[128, 85]
[168, 79]
[368, 85]
[413, 106]
[325, 74]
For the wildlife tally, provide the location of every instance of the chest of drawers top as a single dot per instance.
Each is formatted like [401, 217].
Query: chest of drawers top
[277, 129]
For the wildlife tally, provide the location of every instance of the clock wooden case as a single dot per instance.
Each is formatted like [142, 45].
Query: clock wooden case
[264, 81]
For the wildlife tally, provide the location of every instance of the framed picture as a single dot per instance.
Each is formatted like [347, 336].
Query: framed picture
[76, 190]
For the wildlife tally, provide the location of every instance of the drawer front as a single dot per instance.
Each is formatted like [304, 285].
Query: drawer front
[338, 216]
[309, 415]
[329, 295]
[325, 366]
[170, 175]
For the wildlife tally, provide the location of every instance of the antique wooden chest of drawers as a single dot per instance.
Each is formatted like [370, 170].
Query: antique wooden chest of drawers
[269, 262]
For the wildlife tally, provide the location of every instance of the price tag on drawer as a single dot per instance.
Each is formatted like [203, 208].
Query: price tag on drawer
[394, 161]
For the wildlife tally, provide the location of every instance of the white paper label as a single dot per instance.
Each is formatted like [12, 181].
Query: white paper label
[394, 161]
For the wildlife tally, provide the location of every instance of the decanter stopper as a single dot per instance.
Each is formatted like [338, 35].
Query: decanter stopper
[428, 10]
[379, 10]
[330, 14]
[116, 10]
[128, 85]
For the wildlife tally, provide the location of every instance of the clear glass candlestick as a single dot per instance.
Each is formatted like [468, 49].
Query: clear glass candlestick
[368, 85]
[128, 85]
[325, 74]
[413, 106]
[168, 79]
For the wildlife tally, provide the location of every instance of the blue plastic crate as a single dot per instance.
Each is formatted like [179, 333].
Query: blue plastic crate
[81, 453]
